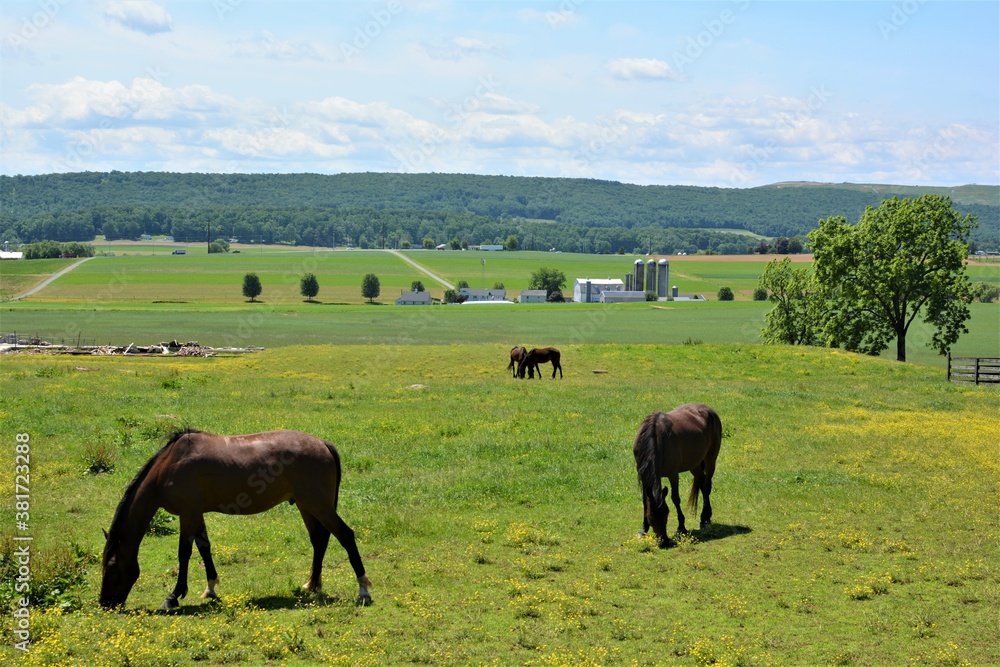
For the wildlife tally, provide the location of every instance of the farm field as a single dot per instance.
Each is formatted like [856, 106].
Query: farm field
[497, 518]
[143, 298]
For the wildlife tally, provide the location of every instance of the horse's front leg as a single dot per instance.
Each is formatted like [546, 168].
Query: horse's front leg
[205, 549]
[183, 557]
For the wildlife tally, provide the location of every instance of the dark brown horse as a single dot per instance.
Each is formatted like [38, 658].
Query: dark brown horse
[516, 354]
[197, 472]
[687, 438]
[540, 355]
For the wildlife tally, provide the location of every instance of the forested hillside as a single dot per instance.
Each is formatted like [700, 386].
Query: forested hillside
[312, 209]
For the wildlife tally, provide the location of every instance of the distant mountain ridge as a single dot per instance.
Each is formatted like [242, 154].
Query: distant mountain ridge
[579, 208]
[988, 195]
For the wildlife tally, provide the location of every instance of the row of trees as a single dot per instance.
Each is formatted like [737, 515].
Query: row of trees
[872, 280]
[52, 250]
[309, 286]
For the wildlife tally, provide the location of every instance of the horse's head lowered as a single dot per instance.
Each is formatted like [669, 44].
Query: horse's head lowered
[119, 574]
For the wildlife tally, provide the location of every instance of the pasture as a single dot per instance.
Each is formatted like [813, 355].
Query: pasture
[854, 501]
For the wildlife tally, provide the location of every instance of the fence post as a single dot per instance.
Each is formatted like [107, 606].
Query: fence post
[977, 371]
[949, 365]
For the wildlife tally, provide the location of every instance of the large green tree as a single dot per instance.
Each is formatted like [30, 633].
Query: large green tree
[251, 286]
[370, 287]
[550, 280]
[309, 286]
[902, 260]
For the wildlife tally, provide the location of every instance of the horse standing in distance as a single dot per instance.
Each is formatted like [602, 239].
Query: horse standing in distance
[197, 472]
[516, 355]
[687, 438]
[540, 355]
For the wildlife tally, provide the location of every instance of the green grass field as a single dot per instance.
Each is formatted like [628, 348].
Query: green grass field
[855, 510]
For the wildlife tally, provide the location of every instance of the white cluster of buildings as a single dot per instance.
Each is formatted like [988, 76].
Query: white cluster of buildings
[649, 276]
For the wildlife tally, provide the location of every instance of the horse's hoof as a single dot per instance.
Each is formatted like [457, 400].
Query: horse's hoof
[705, 525]
[169, 603]
[364, 601]
[209, 595]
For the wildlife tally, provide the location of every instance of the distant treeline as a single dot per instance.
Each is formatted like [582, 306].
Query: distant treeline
[311, 209]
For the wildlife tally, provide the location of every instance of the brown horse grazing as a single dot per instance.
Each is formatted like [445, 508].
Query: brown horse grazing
[197, 472]
[516, 354]
[540, 355]
[687, 438]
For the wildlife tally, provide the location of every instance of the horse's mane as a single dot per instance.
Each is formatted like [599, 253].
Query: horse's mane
[647, 459]
[121, 512]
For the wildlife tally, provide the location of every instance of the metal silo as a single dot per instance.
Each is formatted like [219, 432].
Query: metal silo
[651, 276]
[637, 273]
[662, 276]
[628, 282]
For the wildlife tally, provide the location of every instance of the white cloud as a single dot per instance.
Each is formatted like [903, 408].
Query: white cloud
[86, 124]
[266, 45]
[460, 48]
[628, 69]
[143, 16]
[82, 101]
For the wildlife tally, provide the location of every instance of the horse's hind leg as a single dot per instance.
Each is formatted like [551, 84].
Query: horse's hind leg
[706, 492]
[205, 549]
[319, 536]
[675, 496]
[332, 522]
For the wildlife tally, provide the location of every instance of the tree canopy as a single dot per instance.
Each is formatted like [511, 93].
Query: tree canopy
[309, 286]
[370, 287]
[573, 215]
[902, 260]
[795, 318]
[550, 280]
[251, 286]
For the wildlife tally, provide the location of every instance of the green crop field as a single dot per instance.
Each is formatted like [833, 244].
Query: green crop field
[855, 510]
[142, 299]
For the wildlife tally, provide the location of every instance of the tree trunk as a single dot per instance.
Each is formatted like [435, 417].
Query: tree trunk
[901, 347]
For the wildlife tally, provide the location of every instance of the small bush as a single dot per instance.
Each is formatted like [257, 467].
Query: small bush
[760, 294]
[160, 525]
[650, 295]
[99, 458]
[57, 576]
[985, 292]
[725, 294]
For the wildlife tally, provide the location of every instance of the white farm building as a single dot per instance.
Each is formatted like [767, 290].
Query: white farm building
[588, 290]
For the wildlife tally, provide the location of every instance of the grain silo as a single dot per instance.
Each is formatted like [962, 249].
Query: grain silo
[651, 276]
[662, 277]
[637, 272]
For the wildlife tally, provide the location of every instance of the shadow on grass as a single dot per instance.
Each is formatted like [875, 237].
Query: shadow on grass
[720, 531]
[296, 600]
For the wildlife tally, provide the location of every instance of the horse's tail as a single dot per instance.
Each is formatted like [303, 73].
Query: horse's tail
[714, 434]
[693, 496]
[647, 461]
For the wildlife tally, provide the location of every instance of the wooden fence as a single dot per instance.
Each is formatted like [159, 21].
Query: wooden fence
[974, 369]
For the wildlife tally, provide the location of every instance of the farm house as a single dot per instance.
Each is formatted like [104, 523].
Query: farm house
[587, 290]
[409, 298]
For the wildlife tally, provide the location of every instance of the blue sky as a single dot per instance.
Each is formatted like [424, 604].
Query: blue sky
[729, 94]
